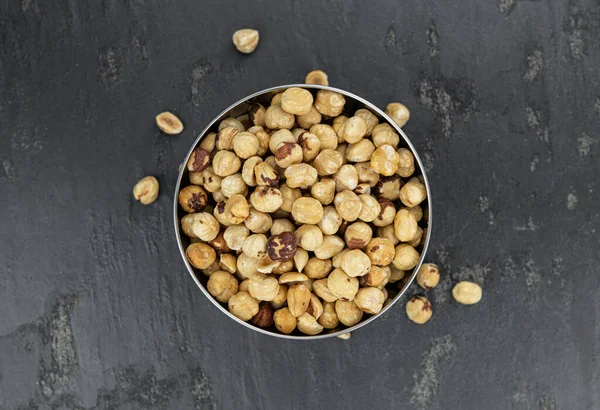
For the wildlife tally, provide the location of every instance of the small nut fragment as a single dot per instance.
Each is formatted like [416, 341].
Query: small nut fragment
[298, 298]
[288, 153]
[341, 285]
[369, 300]
[169, 123]
[308, 325]
[405, 225]
[385, 160]
[146, 190]
[222, 286]
[263, 287]
[198, 160]
[300, 176]
[265, 175]
[201, 225]
[192, 198]
[428, 276]
[296, 101]
[328, 162]
[300, 259]
[285, 322]
[255, 246]
[467, 293]
[348, 313]
[358, 235]
[332, 245]
[330, 103]
[243, 306]
[370, 208]
[266, 199]
[309, 237]
[322, 290]
[315, 307]
[419, 310]
[277, 118]
[226, 163]
[281, 247]
[346, 178]
[370, 118]
[236, 209]
[360, 151]
[353, 130]
[228, 262]
[312, 117]
[345, 336]
[233, 185]
[258, 222]
[246, 40]
[413, 193]
[316, 77]
[381, 251]
[245, 145]
[356, 263]
[292, 278]
[384, 134]
[406, 257]
[307, 211]
[324, 191]
[256, 113]
[235, 236]
[348, 205]
[377, 277]
[200, 255]
[398, 113]
[264, 317]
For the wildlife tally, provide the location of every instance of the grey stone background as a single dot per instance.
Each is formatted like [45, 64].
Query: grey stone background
[96, 308]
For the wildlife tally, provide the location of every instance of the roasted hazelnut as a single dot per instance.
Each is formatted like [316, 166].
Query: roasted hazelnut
[211, 269]
[341, 149]
[200, 255]
[296, 132]
[308, 325]
[282, 225]
[293, 278]
[324, 191]
[297, 101]
[236, 209]
[196, 178]
[331, 221]
[337, 259]
[267, 265]
[222, 286]
[231, 122]
[246, 40]
[298, 298]
[396, 274]
[348, 205]
[346, 178]
[300, 176]
[276, 100]
[428, 276]
[225, 137]
[281, 247]
[370, 208]
[380, 251]
[377, 277]
[233, 185]
[386, 214]
[228, 262]
[384, 134]
[332, 245]
[369, 300]
[398, 113]
[247, 266]
[248, 175]
[310, 145]
[192, 198]
[264, 317]
[370, 119]
[263, 140]
[199, 160]
[358, 235]
[317, 268]
[322, 290]
[419, 310]
[356, 263]
[219, 244]
[467, 293]
[360, 151]
[263, 287]
[328, 162]
[405, 225]
[300, 259]
[218, 197]
[329, 103]
[328, 318]
[388, 187]
[307, 211]
[338, 122]
[266, 199]
[366, 174]
[348, 313]
[285, 322]
[169, 123]
[316, 77]
[146, 190]
[258, 222]
[211, 181]
[277, 118]
[315, 307]
[245, 145]
[309, 237]
[417, 239]
[413, 193]
[257, 113]
[279, 137]
[353, 130]
[226, 163]
[208, 142]
[219, 211]
[312, 117]
[288, 153]
[385, 160]
[281, 298]
[284, 267]
[341, 285]
[200, 225]
[407, 163]
[265, 175]
[243, 306]
[235, 236]
[325, 134]
[406, 257]
[255, 246]
[243, 285]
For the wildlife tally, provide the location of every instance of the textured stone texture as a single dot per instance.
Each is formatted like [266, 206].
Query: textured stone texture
[98, 311]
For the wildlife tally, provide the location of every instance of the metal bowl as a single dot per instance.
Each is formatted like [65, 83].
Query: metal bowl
[353, 103]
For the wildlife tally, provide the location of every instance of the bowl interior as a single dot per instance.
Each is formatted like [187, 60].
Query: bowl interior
[264, 97]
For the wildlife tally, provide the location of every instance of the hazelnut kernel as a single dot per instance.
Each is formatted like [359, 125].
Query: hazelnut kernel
[245, 145]
[356, 263]
[266, 199]
[428, 276]
[200, 255]
[222, 286]
[307, 211]
[381, 251]
[277, 118]
[264, 317]
[288, 153]
[281, 247]
[358, 235]
[467, 293]
[341, 285]
[370, 119]
[263, 287]
[406, 257]
[348, 313]
[398, 113]
[298, 298]
[329, 103]
[316, 77]
[226, 163]
[243, 306]
[348, 205]
[308, 325]
[285, 322]
[413, 193]
[385, 160]
[369, 300]
[419, 310]
[405, 225]
[296, 101]
[169, 123]
[246, 40]
[146, 190]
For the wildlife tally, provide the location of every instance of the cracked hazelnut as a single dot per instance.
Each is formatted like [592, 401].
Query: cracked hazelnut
[428, 276]
[236, 209]
[385, 160]
[246, 40]
[284, 267]
[348, 205]
[413, 193]
[199, 160]
[360, 151]
[312, 117]
[380, 251]
[316, 77]
[228, 262]
[248, 174]
[281, 247]
[307, 211]
[467, 293]
[277, 118]
[296, 101]
[263, 287]
[369, 300]
[329, 103]
[264, 317]
[222, 285]
[358, 235]
[326, 134]
[341, 285]
[309, 237]
[256, 113]
[315, 307]
[332, 245]
[348, 313]
[419, 310]
[405, 225]
[406, 257]
[356, 263]
[200, 225]
[322, 290]
[255, 246]
[146, 190]
[398, 113]
[292, 278]
[225, 137]
[235, 236]
[328, 162]
[267, 265]
[200, 255]
[243, 306]
[324, 191]
[226, 163]
[192, 198]
[384, 134]
[300, 176]
[285, 322]
[169, 123]
[266, 199]
[298, 298]
[308, 325]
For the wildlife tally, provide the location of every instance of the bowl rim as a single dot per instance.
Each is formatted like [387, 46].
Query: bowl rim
[371, 107]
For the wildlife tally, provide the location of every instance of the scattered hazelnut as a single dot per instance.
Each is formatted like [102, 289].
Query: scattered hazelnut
[281, 247]
[316, 77]
[467, 293]
[146, 190]
[169, 123]
[264, 317]
[200, 255]
[296, 101]
[398, 113]
[245, 40]
[222, 285]
[345, 336]
[419, 310]
[428, 276]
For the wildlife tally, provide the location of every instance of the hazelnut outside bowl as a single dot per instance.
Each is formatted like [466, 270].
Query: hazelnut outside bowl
[353, 103]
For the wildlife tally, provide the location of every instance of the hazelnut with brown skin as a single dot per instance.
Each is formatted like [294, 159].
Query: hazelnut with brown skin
[192, 198]
[281, 247]
[419, 310]
[198, 160]
[428, 276]
[388, 187]
[358, 235]
[264, 317]
[288, 153]
[265, 175]
[310, 145]
[377, 277]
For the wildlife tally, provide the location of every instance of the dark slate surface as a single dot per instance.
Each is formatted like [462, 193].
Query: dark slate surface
[97, 310]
